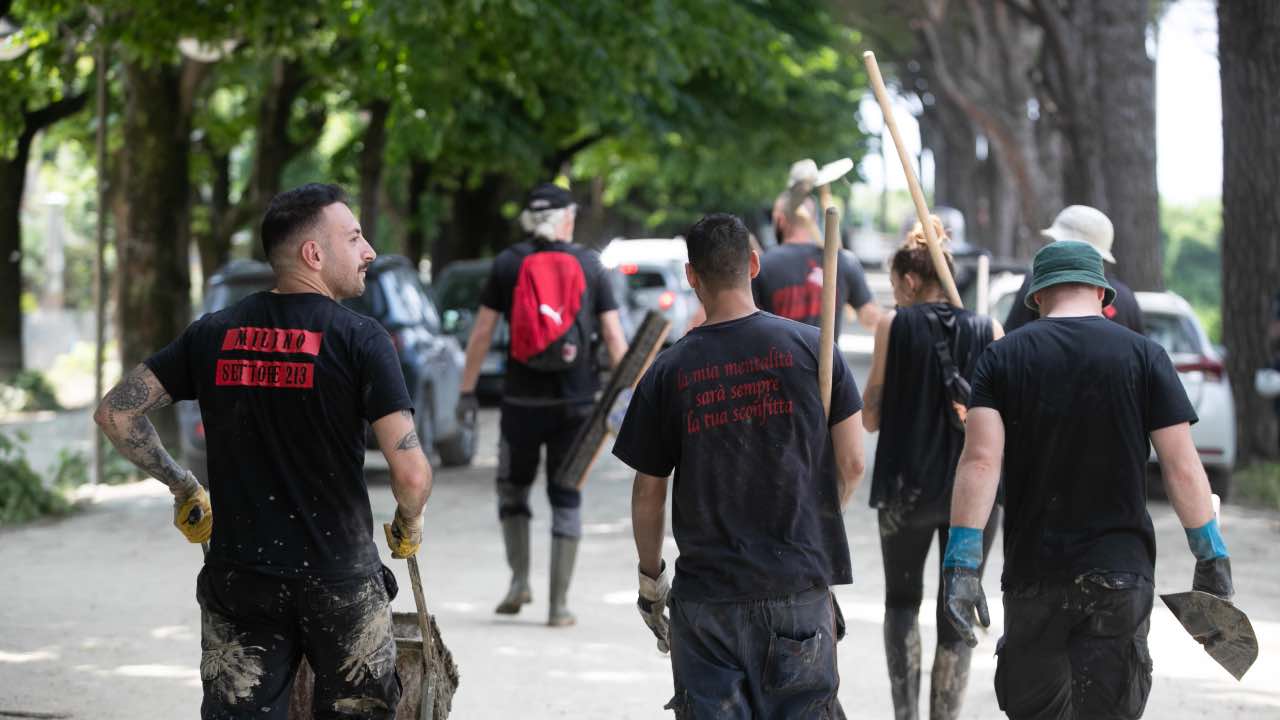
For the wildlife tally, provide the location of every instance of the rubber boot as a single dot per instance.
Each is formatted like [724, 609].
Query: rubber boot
[950, 676]
[564, 551]
[902, 650]
[515, 535]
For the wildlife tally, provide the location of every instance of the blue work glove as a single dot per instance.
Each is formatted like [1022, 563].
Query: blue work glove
[962, 593]
[1213, 563]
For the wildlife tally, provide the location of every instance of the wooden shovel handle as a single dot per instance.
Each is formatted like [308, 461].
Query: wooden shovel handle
[917, 196]
[420, 601]
[827, 329]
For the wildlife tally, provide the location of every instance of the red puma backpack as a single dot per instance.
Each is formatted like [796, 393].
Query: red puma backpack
[547, 332]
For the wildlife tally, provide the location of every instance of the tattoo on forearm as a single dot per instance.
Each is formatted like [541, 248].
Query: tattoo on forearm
[874, 395]
[409, 441]
[133, 434]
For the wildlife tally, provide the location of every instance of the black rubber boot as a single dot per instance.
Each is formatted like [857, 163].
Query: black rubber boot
[515, 535]
[902, 650]
[564, 551]
[950, 676]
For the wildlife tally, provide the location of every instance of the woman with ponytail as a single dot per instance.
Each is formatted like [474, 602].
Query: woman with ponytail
[924, 356]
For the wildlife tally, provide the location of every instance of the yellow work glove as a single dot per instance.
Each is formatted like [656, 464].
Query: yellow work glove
[192, 514]
[404, 535]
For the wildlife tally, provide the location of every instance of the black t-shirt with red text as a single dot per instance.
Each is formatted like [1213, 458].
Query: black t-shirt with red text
[286, 383]
[523, 385]
[1079, 397]
[790, 283]
[734, 409]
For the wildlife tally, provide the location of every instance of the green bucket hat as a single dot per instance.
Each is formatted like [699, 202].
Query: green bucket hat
[1067, 261]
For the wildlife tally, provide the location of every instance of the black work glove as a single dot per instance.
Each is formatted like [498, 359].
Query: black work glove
[468, 406]
[1214, 577]
[961, 596]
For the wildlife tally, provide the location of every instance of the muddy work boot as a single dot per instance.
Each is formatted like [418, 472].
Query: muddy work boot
[515, 535]
[950, 676]
[563, 553]
[902, 650]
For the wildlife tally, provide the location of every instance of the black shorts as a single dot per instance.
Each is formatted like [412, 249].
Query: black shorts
[1077, 650]
[255, 629]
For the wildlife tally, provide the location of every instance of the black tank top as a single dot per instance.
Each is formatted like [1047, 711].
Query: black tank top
[918, 448]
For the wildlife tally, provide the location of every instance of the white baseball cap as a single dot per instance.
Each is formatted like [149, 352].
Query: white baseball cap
[803, 171]
[1081, 222]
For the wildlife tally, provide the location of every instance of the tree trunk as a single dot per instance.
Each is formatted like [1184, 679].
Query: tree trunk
[1126, 102]
[371, 156]
[1249, 58]
[476, 224]
[154, 304]
[13, 175]
[415, 238]
[215, 246]
[13, 178]
[955, 165]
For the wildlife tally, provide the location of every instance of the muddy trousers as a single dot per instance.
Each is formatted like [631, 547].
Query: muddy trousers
[764, 659]
[1076, 650]
[256, 628]
[524, 431]
[905, 541]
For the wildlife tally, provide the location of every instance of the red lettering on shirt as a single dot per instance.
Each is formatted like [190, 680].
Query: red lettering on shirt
[264, 373]
[277, 340]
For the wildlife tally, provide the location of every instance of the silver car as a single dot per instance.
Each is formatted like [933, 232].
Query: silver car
[652, 270]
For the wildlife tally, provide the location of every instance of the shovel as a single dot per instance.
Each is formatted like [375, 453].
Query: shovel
[1222, 628]
[439, 674]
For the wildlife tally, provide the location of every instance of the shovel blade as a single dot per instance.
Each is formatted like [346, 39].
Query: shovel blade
[833, 171]
[1222, 628]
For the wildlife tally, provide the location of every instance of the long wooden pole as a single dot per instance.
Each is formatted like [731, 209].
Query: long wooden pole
[827, 330]
[922, 208]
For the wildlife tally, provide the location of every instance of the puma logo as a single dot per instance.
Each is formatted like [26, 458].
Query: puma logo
[545, 309]
[815, 274]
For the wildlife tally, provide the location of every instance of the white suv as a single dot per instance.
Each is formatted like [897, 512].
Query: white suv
[1169, 320]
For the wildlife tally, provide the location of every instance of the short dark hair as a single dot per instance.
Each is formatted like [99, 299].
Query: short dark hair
[719, 249]
[295, 210]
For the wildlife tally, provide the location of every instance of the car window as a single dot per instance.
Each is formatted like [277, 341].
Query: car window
[229, 293]
[1175, 333]
[643, 280]
[407, 302]
[460, 290]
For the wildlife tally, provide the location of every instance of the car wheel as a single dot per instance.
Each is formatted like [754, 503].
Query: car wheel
[1220, 481]
[458, 450]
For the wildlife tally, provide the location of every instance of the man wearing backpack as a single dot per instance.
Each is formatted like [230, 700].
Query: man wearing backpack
[554, 294]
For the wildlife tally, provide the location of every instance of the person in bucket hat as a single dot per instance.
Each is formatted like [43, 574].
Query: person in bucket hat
[1065, 406]
[1084, 224]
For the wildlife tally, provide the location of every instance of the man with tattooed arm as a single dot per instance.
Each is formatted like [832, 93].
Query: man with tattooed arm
[286, 380]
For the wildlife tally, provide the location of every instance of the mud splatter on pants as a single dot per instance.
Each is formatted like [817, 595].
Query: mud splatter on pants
[772, 658]
[256, 628]
[1076, 650]
[524, 430]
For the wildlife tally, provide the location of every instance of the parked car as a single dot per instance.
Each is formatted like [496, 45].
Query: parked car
[1169, 320]
[430, 359]
[457, 294]
[652, 271]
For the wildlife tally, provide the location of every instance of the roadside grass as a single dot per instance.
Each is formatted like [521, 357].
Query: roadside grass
[26, 496]
[1259, 484]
